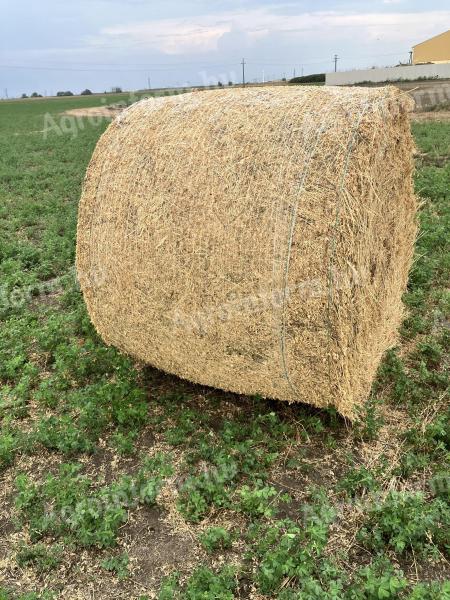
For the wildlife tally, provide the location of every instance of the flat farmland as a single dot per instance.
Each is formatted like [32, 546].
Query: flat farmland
[121, 482]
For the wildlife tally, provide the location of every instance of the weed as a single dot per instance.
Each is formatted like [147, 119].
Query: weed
[124, 442]
[405, 522]
[427, 447]
[257, 501]
[202, 584]
[209, 488]
[170, 587]
[240, 450]
[90, 517]
[379, 581]
[6, 594]
[117, 565]
[288, 550]
[215, 538]
[431, 591]
[358, 480]
[370, 420]
[8, 446]
[41, 557]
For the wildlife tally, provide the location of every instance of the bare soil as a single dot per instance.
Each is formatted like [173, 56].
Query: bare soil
[96, 111]
[442, 115]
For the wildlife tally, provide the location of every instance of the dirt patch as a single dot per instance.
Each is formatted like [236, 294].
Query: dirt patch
[106, 465]
[441, 115]
[108, 112]
[155, 549]
[435, 160]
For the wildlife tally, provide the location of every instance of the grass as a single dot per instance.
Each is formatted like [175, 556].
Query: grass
[128, 482]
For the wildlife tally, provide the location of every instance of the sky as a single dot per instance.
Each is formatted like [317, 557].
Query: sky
[54, 45]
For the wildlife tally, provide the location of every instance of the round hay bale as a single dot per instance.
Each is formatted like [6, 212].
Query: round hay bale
[254, 240]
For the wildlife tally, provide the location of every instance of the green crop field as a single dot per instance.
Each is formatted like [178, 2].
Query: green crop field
[118, 481]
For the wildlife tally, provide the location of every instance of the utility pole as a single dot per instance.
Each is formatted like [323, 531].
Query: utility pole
[243, 72]
[149, 83]
[294, 72]
[336, 58]
[410, 57]
[264, 77]
[6, 93]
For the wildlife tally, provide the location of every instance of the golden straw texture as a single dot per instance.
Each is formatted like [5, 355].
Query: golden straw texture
[255, 240]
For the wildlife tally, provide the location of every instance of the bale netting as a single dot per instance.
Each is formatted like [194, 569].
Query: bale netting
[255, 240]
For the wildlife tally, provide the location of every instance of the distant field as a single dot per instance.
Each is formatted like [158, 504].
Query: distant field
[121, 482]
[44, 104]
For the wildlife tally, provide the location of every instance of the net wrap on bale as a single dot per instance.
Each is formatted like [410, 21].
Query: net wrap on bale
[255, 240]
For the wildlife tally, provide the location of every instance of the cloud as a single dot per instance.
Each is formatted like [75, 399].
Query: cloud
[121, 43]
[169, 36]
[212, 32]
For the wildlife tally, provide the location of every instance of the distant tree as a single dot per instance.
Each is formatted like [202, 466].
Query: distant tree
[36, 95]
[24, 96]
[230, 83]
[86, 92]
[220, 84]
[314, 78]
[68, 93]
[283, 79]
[116, 90]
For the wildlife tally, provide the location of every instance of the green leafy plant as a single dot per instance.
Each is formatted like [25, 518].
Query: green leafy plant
[40, 556]
[370, 420]
[117, 565]
[406, 521]
[202, 584]
[124, 442]
[358, 480]
[91, 517]
[378, 581]
[8, 446]
[215, 538]
[258, 501]
[294, 551]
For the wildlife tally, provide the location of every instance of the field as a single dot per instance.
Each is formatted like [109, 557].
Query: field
[118, 481]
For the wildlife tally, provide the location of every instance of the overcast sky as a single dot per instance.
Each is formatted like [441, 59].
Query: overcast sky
[51, 45]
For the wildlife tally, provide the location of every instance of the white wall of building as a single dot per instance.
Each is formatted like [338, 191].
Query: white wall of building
[430, 95]
[412, 72]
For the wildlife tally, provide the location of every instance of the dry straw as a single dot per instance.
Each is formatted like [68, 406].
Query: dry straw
[254, 240]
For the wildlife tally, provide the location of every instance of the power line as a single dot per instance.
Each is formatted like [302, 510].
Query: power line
[132, 67]
[318, 61]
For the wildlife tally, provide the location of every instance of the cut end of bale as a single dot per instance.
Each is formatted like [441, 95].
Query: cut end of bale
[254, 240]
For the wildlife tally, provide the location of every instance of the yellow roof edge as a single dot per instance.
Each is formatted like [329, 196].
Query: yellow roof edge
[431, 38]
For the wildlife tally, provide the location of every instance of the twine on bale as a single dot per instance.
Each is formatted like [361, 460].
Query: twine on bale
[336, 225]
[289, 247]
[288, 258]
[253, 240]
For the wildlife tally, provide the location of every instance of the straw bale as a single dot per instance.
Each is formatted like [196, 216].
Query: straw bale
[255, 240]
